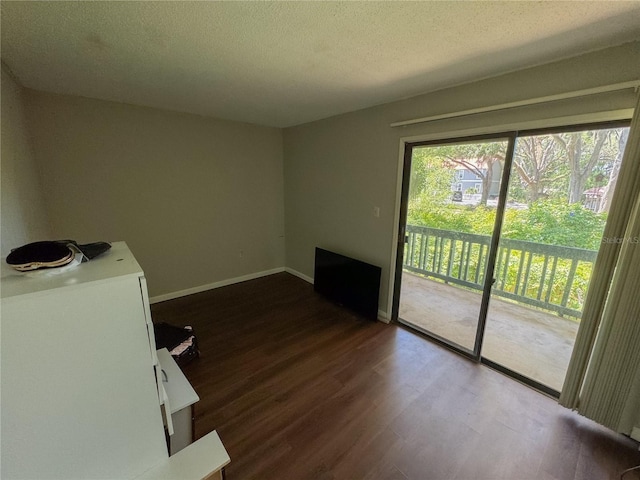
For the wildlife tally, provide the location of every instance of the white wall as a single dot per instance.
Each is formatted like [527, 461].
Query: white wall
[198, 200]
[338, 169]
[23, 216]
[190, 193]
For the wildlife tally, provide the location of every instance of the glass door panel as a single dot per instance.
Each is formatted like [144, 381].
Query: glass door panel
[451, 210]
[560, 190]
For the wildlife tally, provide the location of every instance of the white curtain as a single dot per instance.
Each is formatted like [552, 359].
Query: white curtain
[615, 362]
[603, 380]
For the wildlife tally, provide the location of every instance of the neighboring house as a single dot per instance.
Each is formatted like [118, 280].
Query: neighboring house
[469, 182]
[593, 198]
[466, 180]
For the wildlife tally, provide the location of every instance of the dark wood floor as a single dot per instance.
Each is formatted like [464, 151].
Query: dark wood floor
[298, 388]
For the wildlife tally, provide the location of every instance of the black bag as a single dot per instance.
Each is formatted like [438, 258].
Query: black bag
[180, 341]
[50, 254]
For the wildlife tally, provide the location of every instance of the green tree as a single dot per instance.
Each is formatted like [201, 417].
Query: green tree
[555, 223]
[545, 221]
[583, 151]
[429, 176]
[539, 165]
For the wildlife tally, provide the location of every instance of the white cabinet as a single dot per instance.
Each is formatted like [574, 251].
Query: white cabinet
[80, 397]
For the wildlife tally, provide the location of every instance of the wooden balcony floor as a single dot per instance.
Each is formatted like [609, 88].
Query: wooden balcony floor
[535, 344]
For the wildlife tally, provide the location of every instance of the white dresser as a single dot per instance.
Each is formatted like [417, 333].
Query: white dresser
[82, 393]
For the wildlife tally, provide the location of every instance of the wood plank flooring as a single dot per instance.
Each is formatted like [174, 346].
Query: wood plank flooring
[299, 388]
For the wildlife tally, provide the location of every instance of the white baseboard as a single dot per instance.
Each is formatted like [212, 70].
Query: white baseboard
[296, 273]
[211, 286]
[382, 315]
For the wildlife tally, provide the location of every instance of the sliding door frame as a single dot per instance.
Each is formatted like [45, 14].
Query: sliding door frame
[622, 114]
[615, 120]
[546, 131]
[510, 137]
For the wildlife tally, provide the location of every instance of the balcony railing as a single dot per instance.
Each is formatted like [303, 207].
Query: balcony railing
[549, 277]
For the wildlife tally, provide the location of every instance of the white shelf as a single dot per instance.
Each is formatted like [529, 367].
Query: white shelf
[180, 392]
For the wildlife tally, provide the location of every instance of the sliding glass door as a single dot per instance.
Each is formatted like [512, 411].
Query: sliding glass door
[451, 209]
[560, 189]
[498, 240]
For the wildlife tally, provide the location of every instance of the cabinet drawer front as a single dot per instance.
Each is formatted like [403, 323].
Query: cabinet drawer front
[166, 408]
[147, 315]
[152, 344]
[159, 386]
[95, 394]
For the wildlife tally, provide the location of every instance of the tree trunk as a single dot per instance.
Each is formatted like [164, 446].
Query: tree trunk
[576, 187]
[574, 152]
[487, 179]
[580, 174]
[534, 193]
[607, 194]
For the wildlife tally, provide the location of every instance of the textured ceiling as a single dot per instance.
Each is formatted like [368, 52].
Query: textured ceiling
[286, 63]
